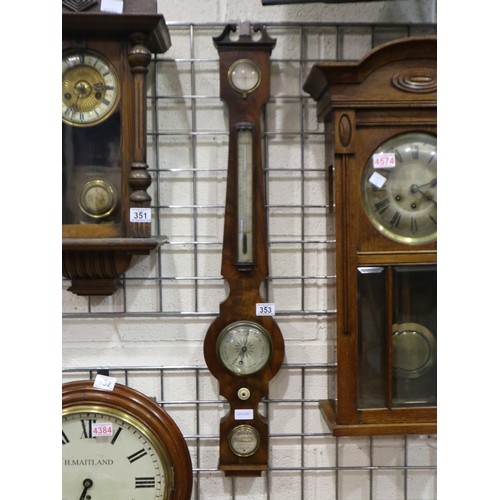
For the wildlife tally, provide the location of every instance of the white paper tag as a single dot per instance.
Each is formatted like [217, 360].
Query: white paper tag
[384, 160]
[377, 180]
[102, 429]
[115, 6]
[140, 215]
[243, 414]
[103, 382]
[264, 309]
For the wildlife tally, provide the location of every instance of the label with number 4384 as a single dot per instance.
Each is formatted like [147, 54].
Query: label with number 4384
[140, 215]
[266, 309]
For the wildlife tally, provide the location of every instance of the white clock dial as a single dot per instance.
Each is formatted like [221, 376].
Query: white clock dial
[400, 193]
[90, 88]
[244, 347]
[124, 465]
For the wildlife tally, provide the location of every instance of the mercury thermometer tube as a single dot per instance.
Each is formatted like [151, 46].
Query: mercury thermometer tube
[245, 205]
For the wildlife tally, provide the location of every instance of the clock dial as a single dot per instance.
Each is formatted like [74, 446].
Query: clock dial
[244, 440]
[90, 88]
[399, 186]
[244, 76]
[125, 464]
[244, 347]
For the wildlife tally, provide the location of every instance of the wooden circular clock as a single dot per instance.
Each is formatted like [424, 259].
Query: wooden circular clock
[243, 350]
[106, 210]
[381, 154]
[121, 444]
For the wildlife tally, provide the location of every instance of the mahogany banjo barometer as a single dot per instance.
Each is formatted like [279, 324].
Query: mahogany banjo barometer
[106, 210]
[380, 128]
[244, 350]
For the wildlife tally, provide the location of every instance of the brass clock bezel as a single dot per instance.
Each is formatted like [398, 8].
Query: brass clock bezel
[244, 427]
[244, 92]
[108, 187]
[373, 215]
[105, 61]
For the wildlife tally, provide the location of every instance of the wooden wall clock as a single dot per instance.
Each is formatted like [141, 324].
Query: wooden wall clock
[381, 151]
[134, 450]
[242, 349]
[105, 205]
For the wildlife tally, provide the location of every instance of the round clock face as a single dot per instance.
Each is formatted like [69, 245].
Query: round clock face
[244, 347]
[244, 440]
[399, 187]
[98, 198]
[414, 350]
[244, 75]
[118, 459]
[90, 88]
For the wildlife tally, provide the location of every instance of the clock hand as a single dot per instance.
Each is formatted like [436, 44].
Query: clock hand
[415, 188]
[87, 483]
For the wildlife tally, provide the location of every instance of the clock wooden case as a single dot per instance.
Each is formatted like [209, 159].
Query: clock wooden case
[381, 156]
[243, 350]
[105, 204]
[138, 451]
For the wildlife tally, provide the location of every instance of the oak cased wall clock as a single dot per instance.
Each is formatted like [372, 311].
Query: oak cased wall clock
[381, 152]
[105, 205]
[244, 350]
[121, 444]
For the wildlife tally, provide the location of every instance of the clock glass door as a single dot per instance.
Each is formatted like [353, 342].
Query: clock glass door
[397, 342]
[91, 162]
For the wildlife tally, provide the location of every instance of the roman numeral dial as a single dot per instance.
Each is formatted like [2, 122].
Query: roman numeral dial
[124, 463]
[400, 199]
[90, 88]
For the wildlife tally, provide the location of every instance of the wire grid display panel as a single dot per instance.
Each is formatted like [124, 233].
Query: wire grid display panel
[180, 285]
[305, 462]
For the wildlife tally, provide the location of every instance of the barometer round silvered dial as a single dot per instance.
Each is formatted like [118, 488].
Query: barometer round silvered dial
[98, 198]
[400, 188]
[121, 458]
[244, 440]
[244, 76]
[90, 88]
[244, 347]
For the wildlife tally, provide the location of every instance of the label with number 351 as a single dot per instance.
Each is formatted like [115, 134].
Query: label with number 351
[140, 215]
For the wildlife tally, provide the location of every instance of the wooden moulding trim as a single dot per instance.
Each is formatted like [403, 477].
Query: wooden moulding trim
[132, 245]
[102, 23]
[322, 75]
[327, 409]
[243, 471]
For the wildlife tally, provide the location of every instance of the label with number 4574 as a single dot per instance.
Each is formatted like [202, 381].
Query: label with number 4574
[266, 309]
[140, 215]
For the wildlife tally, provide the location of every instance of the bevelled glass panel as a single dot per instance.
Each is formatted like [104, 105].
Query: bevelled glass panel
[371, 337]
[414, 336]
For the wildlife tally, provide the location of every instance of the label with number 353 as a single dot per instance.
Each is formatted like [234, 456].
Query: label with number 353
[266, 309]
